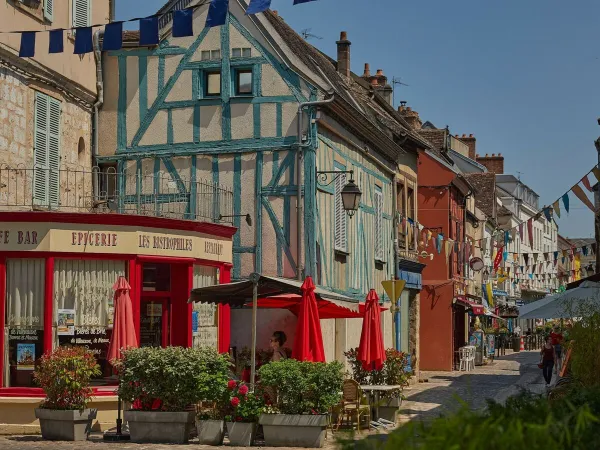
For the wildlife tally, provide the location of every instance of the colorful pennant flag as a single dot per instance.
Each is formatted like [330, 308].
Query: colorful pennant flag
[556, 207]
[596, 172]
[258, 6]
[149, 31]
[565, 199]
[27, 49]
[217, 13]
[586, 183]
[183, 25]
[583, 197]
[530, 232]
[498, 258]
[113, 36]
[83, 40]
[548, 214]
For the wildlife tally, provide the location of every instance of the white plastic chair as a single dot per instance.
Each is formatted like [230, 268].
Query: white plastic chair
[464, 359]
[471, 362]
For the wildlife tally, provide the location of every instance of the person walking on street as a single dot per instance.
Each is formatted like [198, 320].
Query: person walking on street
[557, 340]
[548, 356]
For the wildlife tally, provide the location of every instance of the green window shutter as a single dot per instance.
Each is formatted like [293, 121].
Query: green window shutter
[340, 240]
[40, 150]
[49, 10]
[54, 153]
[81, 15]
[378, 224]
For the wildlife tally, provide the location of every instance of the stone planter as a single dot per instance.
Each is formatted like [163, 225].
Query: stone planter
[71, 425]
[159, 426]
[282, 430]
[241, 434]
[210, 432]
[388, 408]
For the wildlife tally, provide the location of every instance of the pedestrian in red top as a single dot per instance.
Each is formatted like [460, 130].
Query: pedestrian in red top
[557, 340]
[548, 356]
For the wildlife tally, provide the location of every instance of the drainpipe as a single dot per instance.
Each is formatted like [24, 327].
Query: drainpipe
[97, 106]
[395, 311]
[299, 210]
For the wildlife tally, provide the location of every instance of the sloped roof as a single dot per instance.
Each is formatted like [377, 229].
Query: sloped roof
[485, 184]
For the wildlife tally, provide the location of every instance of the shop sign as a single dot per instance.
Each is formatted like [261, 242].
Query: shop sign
[85, 238]
[207, 337]
[500, 293]
[154, 309]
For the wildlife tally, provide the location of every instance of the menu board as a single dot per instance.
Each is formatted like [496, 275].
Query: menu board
[151, 331]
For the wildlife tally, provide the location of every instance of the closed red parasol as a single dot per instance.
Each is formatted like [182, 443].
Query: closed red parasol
[308, 344]
[123, 335]
[371, 351]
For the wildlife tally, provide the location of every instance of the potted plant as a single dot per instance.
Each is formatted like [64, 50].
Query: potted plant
[243, 410]
[161, 384]
[65, 376]
[214, 393]
[306, 392]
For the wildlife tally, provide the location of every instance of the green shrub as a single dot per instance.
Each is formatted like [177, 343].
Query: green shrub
[303, 387]
[172, 378]
[585, 356]
[525, 422]
[243, 405]
[393, 372]
[65, 376]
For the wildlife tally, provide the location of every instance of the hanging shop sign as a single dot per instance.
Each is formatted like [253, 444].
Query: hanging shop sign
[85, 238]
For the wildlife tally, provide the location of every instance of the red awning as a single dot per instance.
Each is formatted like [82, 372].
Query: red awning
[478, 309]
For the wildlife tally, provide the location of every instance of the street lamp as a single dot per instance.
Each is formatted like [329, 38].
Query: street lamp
[350, 193]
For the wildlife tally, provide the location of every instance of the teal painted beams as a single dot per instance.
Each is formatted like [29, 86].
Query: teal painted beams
[225, 82]
[164, 91]
[281, 191]
[234, 62]
[257, 91]
[157, 184]
[289, 77]
[256, 120]
[174, 174]
[244, 250]
[263, 99]
[279, 232]
[215, 178]
[279, 119]
[161, 74]
[258, 176]
[170, 127]
[165, 51]
[122, 104]
[217, 102]
[209, 147]
[193, 203]
[310, 220]
[274, 168]
[237, 208]
[143, 84]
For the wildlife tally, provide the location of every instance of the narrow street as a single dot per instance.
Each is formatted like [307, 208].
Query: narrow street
[427, 400]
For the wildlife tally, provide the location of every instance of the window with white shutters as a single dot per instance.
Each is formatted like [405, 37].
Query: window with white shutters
[378, 224]
[46, 154]
[49, 10]
[340, 240]
[81, 13]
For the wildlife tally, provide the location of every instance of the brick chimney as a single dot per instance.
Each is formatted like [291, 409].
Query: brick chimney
[470, 141]
[379, 83]
[494, 163]
[343, 54]
[412, 117]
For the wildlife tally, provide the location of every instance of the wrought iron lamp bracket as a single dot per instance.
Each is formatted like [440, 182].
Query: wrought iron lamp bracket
[323, 175]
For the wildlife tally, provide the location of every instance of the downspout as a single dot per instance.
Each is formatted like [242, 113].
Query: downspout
[97, 106]
[299, 209]
[395, 311]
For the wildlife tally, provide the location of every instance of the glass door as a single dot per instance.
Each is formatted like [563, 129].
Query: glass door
[154, 321]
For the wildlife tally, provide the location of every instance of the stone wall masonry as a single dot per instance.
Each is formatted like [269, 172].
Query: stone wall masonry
[17, 99]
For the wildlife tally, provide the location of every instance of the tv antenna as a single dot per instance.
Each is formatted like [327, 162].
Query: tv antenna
[306, 34]
[520, 173]
[396, 81]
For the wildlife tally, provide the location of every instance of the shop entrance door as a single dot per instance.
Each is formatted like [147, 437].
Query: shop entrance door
[155, 321]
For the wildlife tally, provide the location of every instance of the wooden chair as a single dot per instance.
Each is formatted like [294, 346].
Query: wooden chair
[352, 405]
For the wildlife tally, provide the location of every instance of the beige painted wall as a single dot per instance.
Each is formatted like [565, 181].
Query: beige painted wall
[17, 16]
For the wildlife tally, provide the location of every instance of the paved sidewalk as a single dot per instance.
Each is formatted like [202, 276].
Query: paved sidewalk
[446, 392]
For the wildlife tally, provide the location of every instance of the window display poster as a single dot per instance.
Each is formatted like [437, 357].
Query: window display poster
[25, 356]
[66, 322]
[111, 317]
[195, 317]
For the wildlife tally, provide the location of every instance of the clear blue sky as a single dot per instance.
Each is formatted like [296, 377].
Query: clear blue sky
[522, 76]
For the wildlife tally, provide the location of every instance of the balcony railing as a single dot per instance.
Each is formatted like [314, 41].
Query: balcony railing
[108, 191]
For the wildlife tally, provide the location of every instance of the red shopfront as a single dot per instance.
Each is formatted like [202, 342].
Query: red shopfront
[56, 276]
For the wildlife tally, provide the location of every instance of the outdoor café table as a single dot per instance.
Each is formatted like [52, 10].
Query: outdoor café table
[376, 390]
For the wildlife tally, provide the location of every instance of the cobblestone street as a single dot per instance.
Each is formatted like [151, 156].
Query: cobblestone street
[439, 395]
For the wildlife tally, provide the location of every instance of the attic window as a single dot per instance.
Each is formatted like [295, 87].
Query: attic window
[241, 52]
[207, 55]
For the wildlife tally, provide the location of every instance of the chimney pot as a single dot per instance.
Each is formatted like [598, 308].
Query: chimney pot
[499, 154]
[379, 72]
[343, 54]
[486, 155]
[276, 12]
[471, 135]
[408, 108]
[367, 72]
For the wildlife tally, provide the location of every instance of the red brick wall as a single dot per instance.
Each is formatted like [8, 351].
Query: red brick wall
[494, 163]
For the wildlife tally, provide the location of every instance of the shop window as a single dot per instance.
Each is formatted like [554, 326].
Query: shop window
[243, 82]
[83, 304]
[204, 315]
[212, 85]
[24, 319]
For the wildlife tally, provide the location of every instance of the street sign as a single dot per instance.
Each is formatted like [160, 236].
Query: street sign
[393, 288]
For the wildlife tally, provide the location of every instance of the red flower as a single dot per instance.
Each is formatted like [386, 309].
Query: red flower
[238, 419]
[235, 402]
[243, 389]
[231, 385]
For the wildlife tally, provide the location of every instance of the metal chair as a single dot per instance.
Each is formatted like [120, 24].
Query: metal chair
[352, 405]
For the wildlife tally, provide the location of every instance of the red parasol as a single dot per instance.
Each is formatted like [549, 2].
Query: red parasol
[123, 335]
[308, 344]
[371, 351]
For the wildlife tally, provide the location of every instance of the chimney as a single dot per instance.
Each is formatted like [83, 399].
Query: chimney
[343, 54]
[470, 142]
[367, 72]
[412, 117]
[494, 163]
